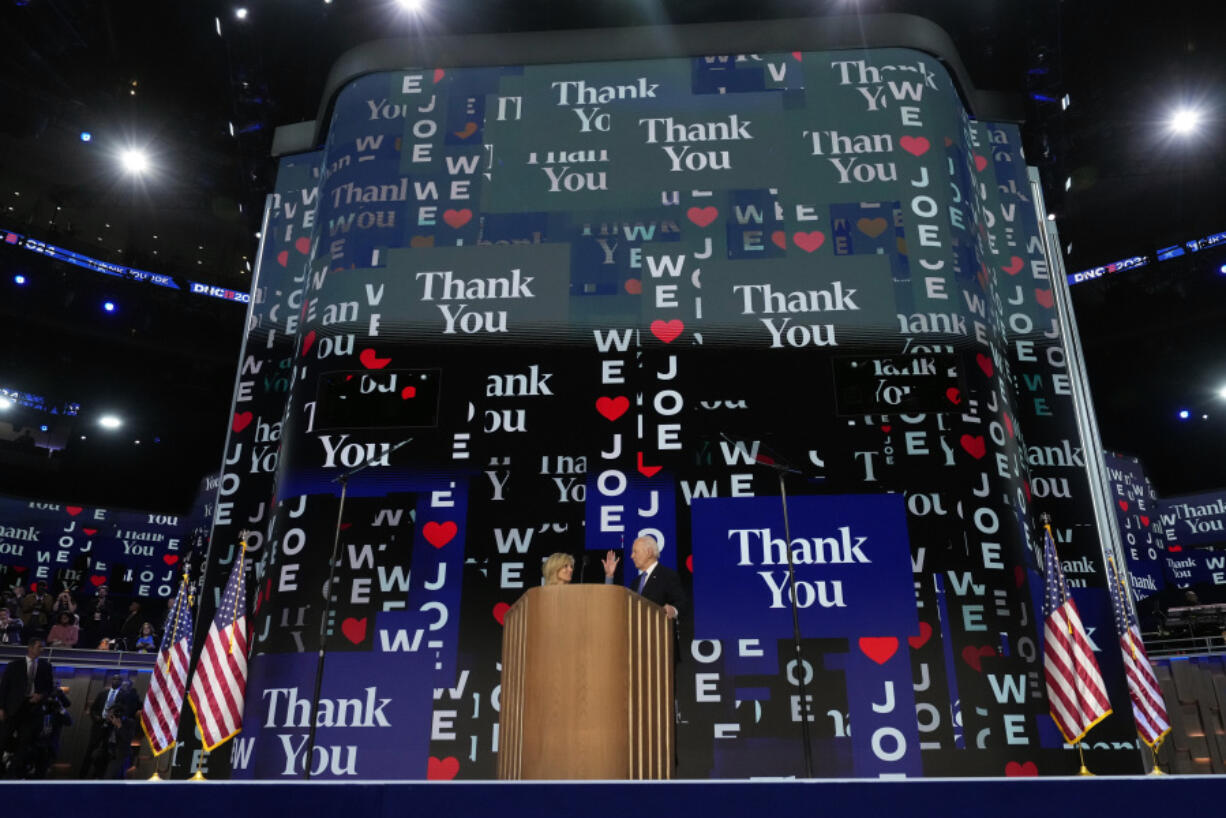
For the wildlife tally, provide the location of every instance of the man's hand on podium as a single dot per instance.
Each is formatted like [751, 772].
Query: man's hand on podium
[670, 611]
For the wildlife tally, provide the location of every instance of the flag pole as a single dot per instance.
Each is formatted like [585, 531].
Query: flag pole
[199, 776]
[1154, 752]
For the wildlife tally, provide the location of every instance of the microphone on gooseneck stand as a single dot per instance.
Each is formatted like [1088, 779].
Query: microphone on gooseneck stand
[583, 567]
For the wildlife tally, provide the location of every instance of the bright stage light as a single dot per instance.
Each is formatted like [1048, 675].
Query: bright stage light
[1185, 120]
[19, 280]
[109, 422]
[1221, 393]
[1184, 414]
[134, 161]
[240, 13]
[86, 136]
[109, 306]
[5, 404]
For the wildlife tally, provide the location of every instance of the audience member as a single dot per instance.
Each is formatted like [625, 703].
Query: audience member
[36, 610]
[96, 623]
[64, 633]
[64, 602]
[129, 629]
[147, 643]
[10, 628]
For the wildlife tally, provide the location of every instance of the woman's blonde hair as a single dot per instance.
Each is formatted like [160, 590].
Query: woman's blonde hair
[554, 564]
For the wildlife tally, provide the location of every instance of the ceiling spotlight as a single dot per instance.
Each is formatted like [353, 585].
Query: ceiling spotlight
[1222, 270]
[1185, 120]
[134, 161]
[138, 443]
[109, 422]
[240, 13]
[1184, 414]
[1051, 217]
[86, 136]
[109, 306]
[5, 404]
[19, 280]
[411, 5]
[42, 428]
[1221, 393]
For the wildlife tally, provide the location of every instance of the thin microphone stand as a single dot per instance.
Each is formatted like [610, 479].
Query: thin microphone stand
[782, 470]
[343, 479]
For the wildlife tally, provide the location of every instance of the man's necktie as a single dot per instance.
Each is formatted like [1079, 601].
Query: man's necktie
[642, 581]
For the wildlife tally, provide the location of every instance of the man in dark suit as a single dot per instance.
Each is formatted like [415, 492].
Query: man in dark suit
[99, 726]
[23, 687]
[655, 582]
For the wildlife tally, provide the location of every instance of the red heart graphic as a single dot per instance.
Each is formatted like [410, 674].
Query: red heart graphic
[73, 510]
[973, 656]
[500, 611]
[439, 534]
[89, 532]
[241, 421]
[303, 244]
[1019, 575]
[886, 428]
[1123, 504]
[438, 74]
[985, 363]
[981, 162]
[702, 216]
[954, 396]
[170, 559]
[1009, 425]
[95, 580]
[442, 769]
[470, 128]
[371, 360]
[633, 286]
[612, 408]
[408, 392]
[354, 629]
[914, 145]
[647, 471]
[283, 258]
[1144, 521]
[925, 634]
[308, 341]
[1175, 549]
[780, 239]
[1026, 488]
[878, 648]
[457, 218]
[666, 331]
[974, 446]
[689, 563]
[798, 56]
[1044, 297]
[1013, 769]
[1014, 266]
[809, 241]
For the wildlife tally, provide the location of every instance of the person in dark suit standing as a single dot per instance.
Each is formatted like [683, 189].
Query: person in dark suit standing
[655, 582]
[99, 726]
[26, 683]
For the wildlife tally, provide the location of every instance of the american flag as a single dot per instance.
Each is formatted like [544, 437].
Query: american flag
[221, 673]
[164, 702]
[1075, 689]
[1148, 708]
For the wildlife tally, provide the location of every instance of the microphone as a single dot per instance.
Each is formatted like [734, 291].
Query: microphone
[583, 569]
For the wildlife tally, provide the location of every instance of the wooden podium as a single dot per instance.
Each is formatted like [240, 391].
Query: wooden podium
[587, 686]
